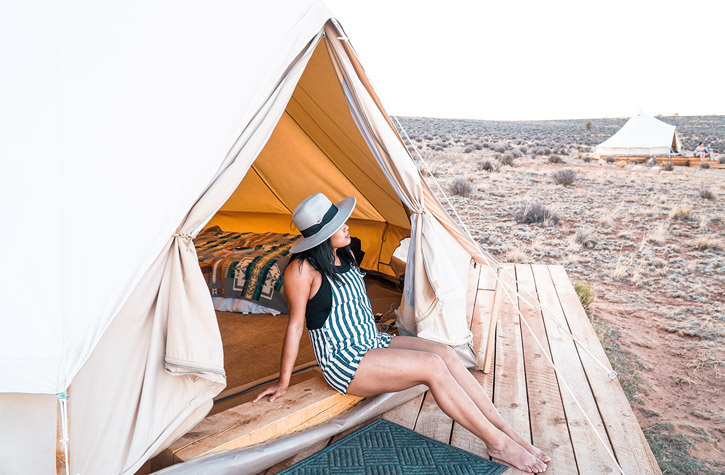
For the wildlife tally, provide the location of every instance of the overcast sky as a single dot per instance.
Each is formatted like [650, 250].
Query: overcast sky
[553, 59]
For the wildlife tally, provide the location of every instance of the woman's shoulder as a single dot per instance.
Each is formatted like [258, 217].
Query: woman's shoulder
[299, 270]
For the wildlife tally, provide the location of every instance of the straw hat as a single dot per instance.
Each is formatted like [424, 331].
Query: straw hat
[318, 219]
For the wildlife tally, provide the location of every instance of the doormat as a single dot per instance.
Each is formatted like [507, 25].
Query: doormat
[386, 448]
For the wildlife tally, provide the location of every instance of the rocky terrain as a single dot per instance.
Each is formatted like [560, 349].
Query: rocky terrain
[648, 241]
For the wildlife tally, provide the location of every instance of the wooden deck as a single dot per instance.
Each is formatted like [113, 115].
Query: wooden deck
[527, 390]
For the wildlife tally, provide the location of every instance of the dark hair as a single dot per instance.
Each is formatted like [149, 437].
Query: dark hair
[322, 259]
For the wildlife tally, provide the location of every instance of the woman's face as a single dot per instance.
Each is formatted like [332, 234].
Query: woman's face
[341, 238]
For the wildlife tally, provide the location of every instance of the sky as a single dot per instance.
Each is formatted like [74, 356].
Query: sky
[540, 60]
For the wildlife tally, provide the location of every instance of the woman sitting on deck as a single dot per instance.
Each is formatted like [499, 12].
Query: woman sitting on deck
[702, 152]
[325, 289]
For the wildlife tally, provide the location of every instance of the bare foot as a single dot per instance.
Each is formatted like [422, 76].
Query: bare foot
[511, 452]
[536, 452]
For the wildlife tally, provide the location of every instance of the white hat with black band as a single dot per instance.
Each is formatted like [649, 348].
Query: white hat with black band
[318, 219]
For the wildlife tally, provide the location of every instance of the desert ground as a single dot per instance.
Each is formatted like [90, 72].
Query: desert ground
[648, 242]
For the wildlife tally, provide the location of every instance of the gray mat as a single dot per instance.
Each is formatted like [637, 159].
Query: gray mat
[386, 448]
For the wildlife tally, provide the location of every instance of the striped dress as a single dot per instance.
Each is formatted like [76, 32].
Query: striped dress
[348, 332]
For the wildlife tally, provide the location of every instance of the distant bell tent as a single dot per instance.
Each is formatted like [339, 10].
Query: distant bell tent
[642, 135]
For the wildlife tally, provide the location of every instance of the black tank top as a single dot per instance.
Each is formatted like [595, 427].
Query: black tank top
[319, 306]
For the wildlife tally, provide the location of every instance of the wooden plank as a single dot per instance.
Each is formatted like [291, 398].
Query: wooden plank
[474, 274]
[481, 324]
[432, 421]
[509, 390]
[462, 437]
[590, 454]
[306, 404]
[274, 377]
[549, 431]
[630, 446]
[407, 413]
[487, 279]
[498, 300]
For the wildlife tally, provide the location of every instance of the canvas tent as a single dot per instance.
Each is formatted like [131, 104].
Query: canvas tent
[642, 135]
[128, 127]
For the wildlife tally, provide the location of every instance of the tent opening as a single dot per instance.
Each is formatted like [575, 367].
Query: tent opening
[315, 147]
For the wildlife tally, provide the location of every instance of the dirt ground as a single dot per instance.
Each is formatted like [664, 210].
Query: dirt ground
[649, 242]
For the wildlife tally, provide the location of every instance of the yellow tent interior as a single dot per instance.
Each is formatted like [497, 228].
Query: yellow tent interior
[317, 147]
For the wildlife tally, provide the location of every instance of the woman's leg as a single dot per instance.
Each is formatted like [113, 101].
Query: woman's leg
[391, 369]
[469, 384]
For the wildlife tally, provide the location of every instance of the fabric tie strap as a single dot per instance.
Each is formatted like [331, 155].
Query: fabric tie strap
[315, 228]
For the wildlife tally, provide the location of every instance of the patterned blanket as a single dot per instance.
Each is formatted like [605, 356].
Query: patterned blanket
[246, 265]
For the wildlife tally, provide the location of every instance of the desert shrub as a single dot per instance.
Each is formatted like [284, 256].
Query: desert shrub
[587, 237]
[467, 150]
[486, 165]
[610, 159]
[650, 162]
[563, 151]
[587, 159]
[705, 243]
[478, 146]
[555, 159]
[668, 167]
[585, 293]
[523, 149]
[423, 170]
[461, 187]
[705, 165]
[498, 148]
[516, 153]
[588, 126]
[507, 159]
[486, 144]
[535, 212]
[682, 213]
[707, 194]
[497, 156]
[564, 177]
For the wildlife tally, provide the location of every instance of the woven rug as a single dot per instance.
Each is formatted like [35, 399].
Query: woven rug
[386, 448]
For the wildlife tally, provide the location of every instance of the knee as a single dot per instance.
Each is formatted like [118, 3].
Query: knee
[447, 353]
[435, 368]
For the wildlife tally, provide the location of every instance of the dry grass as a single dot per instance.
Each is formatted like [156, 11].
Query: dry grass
[706, 242]
[515, 255]
[659, 234]
[682, 212]
[621, 268]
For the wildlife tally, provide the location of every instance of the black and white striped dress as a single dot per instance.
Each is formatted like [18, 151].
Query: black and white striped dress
[348, 332]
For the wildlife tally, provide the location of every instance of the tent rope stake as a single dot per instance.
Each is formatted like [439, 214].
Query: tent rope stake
[63, 406]
[611, 374]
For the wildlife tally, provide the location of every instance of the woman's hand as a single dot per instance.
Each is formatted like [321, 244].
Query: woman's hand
[275, 391]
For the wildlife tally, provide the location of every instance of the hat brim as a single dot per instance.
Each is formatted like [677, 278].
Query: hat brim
[344, 210]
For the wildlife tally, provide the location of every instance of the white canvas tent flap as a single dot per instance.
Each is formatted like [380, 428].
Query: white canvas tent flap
[642, 135]
[135, 140]
[438, 289]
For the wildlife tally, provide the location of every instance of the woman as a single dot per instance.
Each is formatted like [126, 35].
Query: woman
[325, 290]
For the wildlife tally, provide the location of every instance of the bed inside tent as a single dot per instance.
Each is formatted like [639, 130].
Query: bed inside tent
[315, 147]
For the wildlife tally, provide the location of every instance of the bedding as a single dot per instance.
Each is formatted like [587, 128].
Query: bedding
[246, 266]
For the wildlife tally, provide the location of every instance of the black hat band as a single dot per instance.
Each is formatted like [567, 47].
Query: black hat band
[315, 228]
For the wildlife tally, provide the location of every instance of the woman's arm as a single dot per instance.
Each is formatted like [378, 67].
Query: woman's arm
[297, 283]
